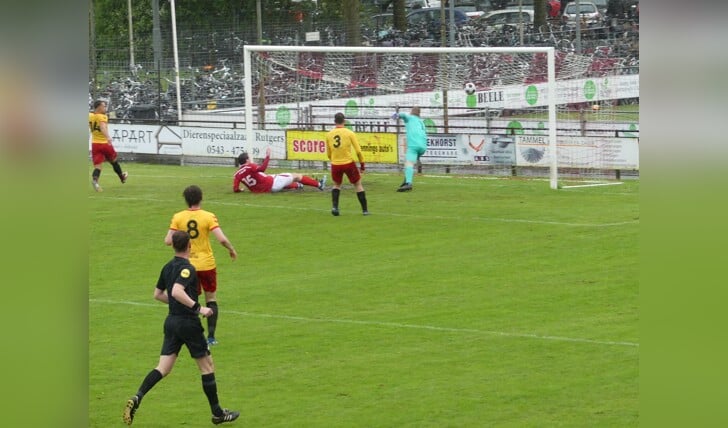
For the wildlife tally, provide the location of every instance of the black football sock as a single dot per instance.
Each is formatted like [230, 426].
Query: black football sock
[96, 174]
[117, 168]
[335, 197]
[148, 383]
[209, 385]
[362, 196]
[212, 319]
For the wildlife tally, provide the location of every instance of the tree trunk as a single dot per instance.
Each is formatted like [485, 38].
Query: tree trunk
[351, 20]
[400, 15]
[539, 13]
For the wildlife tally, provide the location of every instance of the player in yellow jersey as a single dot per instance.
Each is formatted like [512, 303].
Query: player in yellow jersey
[101, 147]
[200, 224]
[339, 143]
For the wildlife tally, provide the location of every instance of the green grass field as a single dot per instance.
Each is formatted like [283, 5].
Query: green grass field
[468, 302]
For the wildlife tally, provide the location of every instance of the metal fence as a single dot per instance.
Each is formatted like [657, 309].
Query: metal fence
[211, 62]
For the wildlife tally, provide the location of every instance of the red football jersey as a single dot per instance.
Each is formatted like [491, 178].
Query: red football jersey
[253, 177]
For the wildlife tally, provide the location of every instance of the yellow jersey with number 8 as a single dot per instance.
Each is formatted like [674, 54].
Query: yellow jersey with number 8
[199, 224]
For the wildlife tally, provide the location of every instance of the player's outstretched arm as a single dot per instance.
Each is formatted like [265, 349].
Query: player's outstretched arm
[220, 236]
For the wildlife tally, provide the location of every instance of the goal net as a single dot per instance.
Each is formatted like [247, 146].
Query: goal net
[483, 107]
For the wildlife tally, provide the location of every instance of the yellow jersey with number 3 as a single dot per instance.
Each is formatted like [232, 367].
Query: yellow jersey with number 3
[339, 143]
[199, 224]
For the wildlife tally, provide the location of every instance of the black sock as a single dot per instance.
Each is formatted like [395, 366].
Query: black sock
[96, 174]
[148, 383]
[117, 168]
[335, 197]
[362, 199]
[212, 319]
[209, 385]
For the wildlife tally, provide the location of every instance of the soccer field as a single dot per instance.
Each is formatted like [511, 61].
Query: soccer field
[469, 302]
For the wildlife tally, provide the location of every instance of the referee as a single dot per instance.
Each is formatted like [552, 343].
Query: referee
[177, 286]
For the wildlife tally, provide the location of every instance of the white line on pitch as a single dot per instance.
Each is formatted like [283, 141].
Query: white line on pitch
[380, 213]
[398, 325]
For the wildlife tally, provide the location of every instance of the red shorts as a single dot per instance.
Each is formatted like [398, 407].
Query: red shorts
[101, 152]
[208, 280]
[351, 171]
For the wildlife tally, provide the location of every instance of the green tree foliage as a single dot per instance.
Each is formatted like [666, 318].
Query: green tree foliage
[204, 17]
[112, 28]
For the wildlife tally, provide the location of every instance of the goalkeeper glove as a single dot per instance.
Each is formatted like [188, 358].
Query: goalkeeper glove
[362, 168]
[395, 116]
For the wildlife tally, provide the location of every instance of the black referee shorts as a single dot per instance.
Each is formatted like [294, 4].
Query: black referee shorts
[187, 331]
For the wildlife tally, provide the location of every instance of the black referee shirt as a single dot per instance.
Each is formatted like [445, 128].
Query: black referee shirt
[179, 270]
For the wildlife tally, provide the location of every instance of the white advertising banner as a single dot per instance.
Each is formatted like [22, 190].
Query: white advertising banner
[131, 138]
[193, 141]
[230, 142]
[579, 152]
[590, 89]
[445, 149]
[584, 90]
[467, 149]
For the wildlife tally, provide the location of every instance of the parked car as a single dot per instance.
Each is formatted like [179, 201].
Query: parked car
[430, 18]
[587, 10]
[523, 3]
[498, 18]
[471, 11]
[602, 6]
[410, 5]
[474, 8]
[420, 4]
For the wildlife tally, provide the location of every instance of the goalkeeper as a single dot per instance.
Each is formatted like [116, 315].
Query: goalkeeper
[415, 144]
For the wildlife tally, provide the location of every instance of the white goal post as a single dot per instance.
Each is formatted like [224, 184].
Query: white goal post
[452, 84]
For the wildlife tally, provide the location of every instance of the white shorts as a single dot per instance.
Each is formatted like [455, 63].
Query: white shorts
[280, 181]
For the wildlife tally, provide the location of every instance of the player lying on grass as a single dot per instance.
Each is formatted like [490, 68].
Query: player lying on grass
[253, 176]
